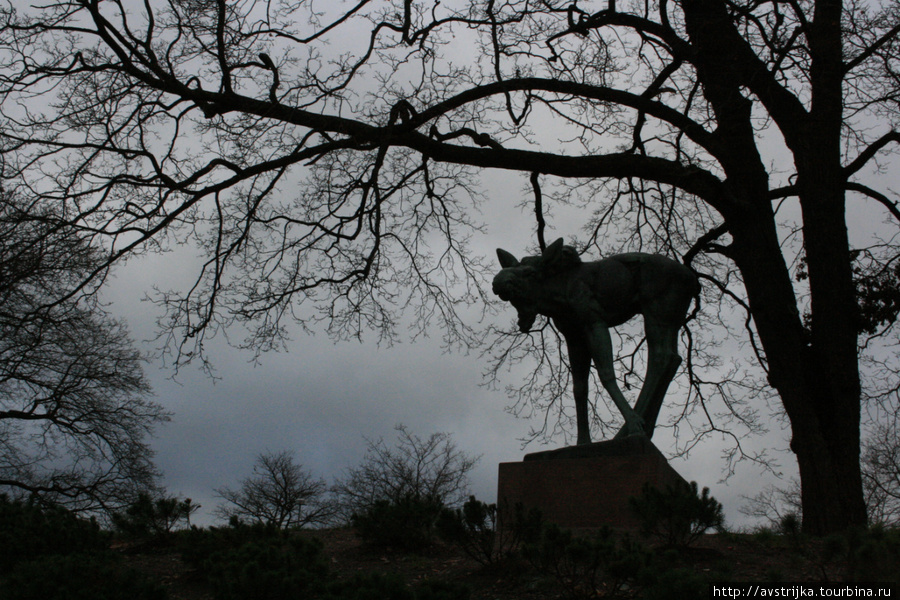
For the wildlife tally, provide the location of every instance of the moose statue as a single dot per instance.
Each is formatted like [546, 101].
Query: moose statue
[585, 299]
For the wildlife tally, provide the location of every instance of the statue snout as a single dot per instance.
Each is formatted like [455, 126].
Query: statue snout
[504, 286]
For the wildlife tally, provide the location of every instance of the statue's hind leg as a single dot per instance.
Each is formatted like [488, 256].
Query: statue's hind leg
[662, 365]
[601, 351]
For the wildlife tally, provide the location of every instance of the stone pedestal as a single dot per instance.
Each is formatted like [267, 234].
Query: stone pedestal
[588, 486]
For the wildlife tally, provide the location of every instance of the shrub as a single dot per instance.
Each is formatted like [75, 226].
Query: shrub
[408, 524]
[583, 565]
[51, 554]
[381, 586]
[476, 528]
[441, 590]
[198, 545]
[78, 577]
[370, 586]
[415, 467]
[674, 584]
[678, 515]
[270, 569]
[29, 532]
[256, 561]
[864, 555]
[149, 517]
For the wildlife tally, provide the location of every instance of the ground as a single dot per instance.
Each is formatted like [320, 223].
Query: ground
[745, 557]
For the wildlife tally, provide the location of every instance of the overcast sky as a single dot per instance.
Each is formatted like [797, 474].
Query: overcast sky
[323, 399]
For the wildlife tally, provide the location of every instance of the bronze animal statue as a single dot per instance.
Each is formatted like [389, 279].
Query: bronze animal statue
[585, 299]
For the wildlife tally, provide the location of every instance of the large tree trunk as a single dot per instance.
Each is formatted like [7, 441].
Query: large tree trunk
[815, 368]
[814, 380]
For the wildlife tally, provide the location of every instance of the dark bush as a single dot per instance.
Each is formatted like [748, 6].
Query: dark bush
[370, 586]
[408, 524]
[197, 545]
[78, 577]
[381, 586]
[674, 584]
[273, 569]
[441, 590]
[149, 517]
[485, 533]
[875, 555]
[51, 554]
[256, 561]
[864, 554]
[583, 565]
[28, 532]
[678, 515]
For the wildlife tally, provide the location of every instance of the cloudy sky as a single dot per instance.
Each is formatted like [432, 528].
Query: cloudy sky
[322, 399]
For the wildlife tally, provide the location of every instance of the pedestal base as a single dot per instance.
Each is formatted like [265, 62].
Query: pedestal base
[586, 487]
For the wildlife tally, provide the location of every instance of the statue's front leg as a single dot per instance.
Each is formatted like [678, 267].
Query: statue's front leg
[581, 371]
[580, 363]
[602, 353]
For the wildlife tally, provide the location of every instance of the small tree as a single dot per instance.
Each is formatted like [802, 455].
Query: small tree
[154, 516]
[279, 492]
[678, 515]
[775, 505]
[430, 468]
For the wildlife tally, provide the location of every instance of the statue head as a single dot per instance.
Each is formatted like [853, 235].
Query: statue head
[522, 282]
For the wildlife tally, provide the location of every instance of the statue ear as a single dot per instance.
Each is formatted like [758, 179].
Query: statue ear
[506, 259]
[552, 251]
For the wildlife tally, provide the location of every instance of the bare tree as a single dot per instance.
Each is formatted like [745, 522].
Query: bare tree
[775, 504]
[75, 408]
[341, 177]
[881, 472]
[279, 492]
[432, 468]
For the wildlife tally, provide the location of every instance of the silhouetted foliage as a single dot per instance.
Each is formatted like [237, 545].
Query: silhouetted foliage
[881, 472]
[408, 524]
[279, 492]
[154, 517]
[29, 531]
[75, 408]
[871, 554]
[584, 564]
[266, 563]
[52, 554]
[486, 533]
[378, 586]
[273, 568]
[677, 515]
[773, 504]
[431, 470]
[727, 133]
[79, 577]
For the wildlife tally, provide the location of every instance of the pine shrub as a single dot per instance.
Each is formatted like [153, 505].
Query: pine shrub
[485, 533]
[678, 515]
[78, 577]
[29, 532]
[408, 525]
[256, 561]
[153, 518]
[389, 586]
[48, 553]
[583, 566]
